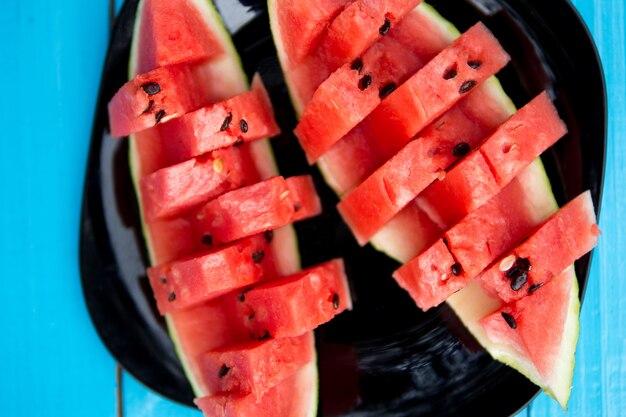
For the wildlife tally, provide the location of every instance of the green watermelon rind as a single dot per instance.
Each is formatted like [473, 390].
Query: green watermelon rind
[465, 301]
[266, 163]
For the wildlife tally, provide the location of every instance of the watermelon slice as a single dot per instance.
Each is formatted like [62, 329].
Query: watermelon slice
[257, 208]
[256, 367]
[188, 36]
[537, 334]
[243, 118]
[291, 306]
[190, 281]
[567, 236]
[470, 60]
[176, 189]
[292, 397]
[208, 325]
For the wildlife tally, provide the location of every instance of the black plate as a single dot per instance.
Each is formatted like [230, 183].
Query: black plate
[385, 357]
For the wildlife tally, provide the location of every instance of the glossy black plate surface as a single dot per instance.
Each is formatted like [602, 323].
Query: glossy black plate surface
[385, 358]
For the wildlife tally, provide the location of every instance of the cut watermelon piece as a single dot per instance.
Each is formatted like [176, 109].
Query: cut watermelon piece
[256, 367]
[471, 245]
[467, 62]
[257, 208]
[358, 26]
[295, 396]
[566, 236]
[514, 145]
[294, 305]
[537, 335]
[308, 19]
[174, 190]
[183, 25]
[158, 96]
[368, 207]
[203, 327]
[470, 60]
[243, 118]
[186, 282]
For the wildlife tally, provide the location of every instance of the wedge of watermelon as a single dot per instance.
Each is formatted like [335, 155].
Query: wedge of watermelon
[257, 208]
[537, 334]
[243, 118]
[256, 367]
[173, 190]
[292, 397]
[452, 74]
[567, 236]
[296, 304]
[208, 325]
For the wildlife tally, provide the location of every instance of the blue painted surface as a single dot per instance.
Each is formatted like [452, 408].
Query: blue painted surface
[54, 364]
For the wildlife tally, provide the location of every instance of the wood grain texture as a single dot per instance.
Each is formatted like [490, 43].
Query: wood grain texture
[53, 362]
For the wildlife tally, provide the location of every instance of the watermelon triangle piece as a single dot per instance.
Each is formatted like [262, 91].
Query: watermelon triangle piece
[541, 349]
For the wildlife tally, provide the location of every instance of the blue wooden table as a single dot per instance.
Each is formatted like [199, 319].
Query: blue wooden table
[53, 363]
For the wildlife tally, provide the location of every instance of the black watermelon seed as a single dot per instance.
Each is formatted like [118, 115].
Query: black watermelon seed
[148, 107]
[238, 142]
[226, 122]
[384, 29]
[514, 272]
[523, 264]
[171, 297]
[223, 371]
[336, 301]
[357, 65]
[258, 256]
[243, 125]
[207, 240]
[151, 88]
[534, 288]
[461, 149]
[163, 280]
[509, 320]
[386, 90]
[456, 269]
[159, 116]
[297, 207]
[269, 236]
[518, 282]
[251, 316]
[242, 297]
[450, 74]
[475, 64]
[467, 86]
[264, 336]
[365, 82]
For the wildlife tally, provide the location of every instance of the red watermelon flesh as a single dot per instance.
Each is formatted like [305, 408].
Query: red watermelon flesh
[182, 24]
[536, 326]
[468, 61]
[473, 244]
[349, 94]
[159, 95]
[359, 153]
[256, 208]
[243, 118]
[514, 145]
[309, 20]
[173, 190]
[255, 367]
[192, 280]
[367, 208]
[402, 113]
[292, 397]
[566, 236]
[292, 306]
[358, 26]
